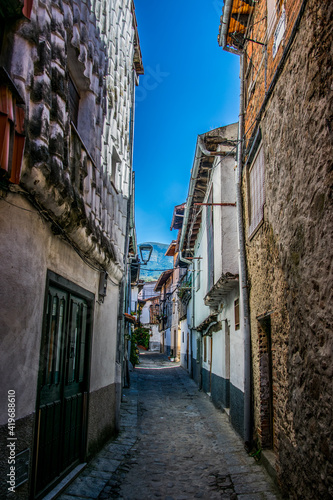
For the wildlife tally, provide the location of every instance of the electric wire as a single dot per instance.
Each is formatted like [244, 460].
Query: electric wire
[47, 217]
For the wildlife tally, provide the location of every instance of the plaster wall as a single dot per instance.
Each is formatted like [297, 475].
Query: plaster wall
[236, 341]
[167, 341]
[183, 347]
[154, 342]
[144, 316]
[224, 217]
[148, 291]
[201, 311]
[22, 303]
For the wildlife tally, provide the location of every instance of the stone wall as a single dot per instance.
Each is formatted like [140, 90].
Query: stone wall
[79, 172]
[290, 262]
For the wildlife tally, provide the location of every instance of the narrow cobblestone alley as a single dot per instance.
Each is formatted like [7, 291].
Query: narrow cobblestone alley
[178, 446]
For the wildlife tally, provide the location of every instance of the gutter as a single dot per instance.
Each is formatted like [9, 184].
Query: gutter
[222, 39]
[194, 174]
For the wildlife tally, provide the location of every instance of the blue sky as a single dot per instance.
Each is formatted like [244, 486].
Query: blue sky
[190, 86]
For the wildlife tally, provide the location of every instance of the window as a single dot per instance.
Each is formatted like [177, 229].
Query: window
[249, 83]
[256, 191]
[273, 10]
[236, 307]
[12, 137]
[74, 102]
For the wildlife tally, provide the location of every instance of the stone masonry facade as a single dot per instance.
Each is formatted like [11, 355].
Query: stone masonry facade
[289, 256]
[78, 168]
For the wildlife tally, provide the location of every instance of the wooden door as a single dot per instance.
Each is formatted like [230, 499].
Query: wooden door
[63, 387]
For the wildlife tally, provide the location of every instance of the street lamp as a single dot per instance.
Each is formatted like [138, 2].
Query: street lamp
[145, 252]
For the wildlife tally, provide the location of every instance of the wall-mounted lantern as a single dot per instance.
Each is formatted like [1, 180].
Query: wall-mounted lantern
[145, 253]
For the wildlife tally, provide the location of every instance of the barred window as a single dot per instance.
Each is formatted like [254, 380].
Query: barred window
[256, 191]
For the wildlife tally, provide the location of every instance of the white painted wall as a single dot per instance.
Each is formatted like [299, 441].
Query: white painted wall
[144, 316]
[154, 343]
[228, 343]
[167, 339]
[232, 366]
[184, 331]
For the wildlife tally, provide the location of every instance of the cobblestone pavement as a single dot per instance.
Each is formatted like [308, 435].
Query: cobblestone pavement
[173, 445]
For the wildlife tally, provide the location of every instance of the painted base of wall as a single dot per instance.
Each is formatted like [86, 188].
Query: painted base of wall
[183, 362]
[24, 432]
[220, 391]
[167, 350]
[226, 395]
[196, 371]
[103, 418]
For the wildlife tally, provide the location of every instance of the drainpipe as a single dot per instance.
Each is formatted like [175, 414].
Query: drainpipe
[242, 259]
[242, 263]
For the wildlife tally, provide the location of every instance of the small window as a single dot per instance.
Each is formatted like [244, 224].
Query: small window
[237, 314]
[256, 191]
[273, 10]
[205, 349]
[12, 137]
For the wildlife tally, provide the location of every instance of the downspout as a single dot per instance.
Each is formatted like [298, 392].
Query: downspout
[122, 354]
[242, 264]
[242, 258]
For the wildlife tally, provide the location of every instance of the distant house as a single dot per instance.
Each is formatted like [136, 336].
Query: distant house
[165, 287]
[212, 332]
[148, 303]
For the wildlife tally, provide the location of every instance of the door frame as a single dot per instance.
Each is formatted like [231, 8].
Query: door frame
[56, 280]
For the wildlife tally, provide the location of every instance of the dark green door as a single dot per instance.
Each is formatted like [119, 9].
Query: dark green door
[63, 387]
